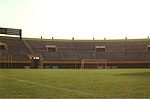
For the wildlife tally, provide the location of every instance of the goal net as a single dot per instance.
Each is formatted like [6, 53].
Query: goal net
[93, 63]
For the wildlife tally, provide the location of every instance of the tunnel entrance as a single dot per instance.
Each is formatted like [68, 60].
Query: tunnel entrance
[36, 61]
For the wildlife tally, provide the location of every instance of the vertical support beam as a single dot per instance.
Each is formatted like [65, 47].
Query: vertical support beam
[5, 63]
[97, 64]
[8, 61]
[40, 62]
[105, 52]
[75, 64]
[11, 60]
[20, 31]
[105, 62]
[82, 64]
[126, 49]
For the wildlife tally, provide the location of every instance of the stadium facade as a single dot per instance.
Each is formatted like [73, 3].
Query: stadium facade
[74, 54]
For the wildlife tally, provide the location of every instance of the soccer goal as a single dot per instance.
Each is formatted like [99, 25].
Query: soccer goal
[95, 63]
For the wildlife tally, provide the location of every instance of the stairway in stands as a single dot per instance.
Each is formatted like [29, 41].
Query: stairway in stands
[28, 46]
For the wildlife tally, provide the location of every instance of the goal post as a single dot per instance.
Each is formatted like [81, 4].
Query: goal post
[99, 63]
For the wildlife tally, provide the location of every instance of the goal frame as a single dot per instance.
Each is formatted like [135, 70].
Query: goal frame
[97, 62]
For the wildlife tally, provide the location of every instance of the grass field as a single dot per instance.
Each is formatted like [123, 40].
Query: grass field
[48, 83]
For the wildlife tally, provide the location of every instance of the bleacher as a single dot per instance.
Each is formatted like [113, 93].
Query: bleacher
[16, 48]
[72, 52]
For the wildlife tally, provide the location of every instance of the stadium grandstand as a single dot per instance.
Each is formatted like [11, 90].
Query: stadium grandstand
[18, 52]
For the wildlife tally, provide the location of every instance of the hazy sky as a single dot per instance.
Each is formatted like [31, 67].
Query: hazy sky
[82, 19]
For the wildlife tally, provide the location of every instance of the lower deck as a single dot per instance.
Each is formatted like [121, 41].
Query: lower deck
[74, 64]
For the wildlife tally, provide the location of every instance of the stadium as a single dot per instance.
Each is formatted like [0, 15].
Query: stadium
[18, 52]
[62, 68]
[97, 49]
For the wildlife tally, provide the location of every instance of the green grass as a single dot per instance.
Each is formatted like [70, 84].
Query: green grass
[102, 83]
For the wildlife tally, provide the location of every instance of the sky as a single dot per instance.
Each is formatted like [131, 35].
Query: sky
[81, 19]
